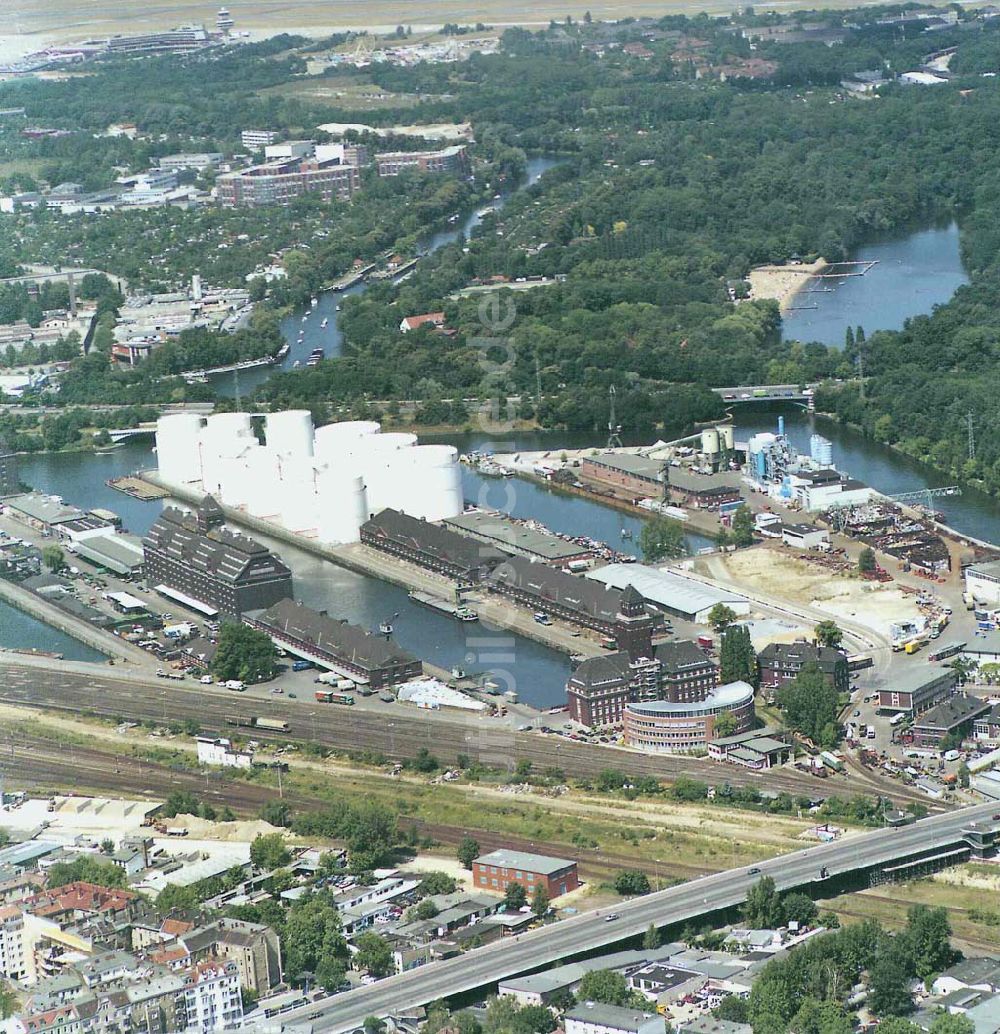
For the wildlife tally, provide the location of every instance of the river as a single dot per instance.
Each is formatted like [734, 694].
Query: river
[915, 272]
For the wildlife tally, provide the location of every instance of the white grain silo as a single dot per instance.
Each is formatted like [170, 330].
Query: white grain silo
[726, 437]
[264, 495]
[290, 432]
[297, 500]
[177, 448]
[429, 485]
[333, 441]
[710, 442]
[342, 505]
[382, 460]
[225, 436]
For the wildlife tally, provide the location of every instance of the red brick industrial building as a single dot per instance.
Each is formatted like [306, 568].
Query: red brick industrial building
[497, 870]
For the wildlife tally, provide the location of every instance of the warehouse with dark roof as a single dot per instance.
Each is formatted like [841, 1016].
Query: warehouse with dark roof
[314, 636]
[429, 545]
[557, 594]
[195, 559]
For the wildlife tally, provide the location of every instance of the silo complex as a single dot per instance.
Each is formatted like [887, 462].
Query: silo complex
[324, 483]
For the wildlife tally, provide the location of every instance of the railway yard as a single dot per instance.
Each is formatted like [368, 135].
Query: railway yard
[63, 687]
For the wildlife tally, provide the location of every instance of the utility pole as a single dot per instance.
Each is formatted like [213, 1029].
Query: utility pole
[970, 423]
[614, 428]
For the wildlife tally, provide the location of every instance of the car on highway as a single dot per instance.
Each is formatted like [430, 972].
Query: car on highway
[753, 872]
[611, 918]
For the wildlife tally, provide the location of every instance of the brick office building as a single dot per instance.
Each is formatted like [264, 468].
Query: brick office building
[497, 870]
[915, 690]
[687, 673]
[195, 559]
[600, 688]
[782, 662]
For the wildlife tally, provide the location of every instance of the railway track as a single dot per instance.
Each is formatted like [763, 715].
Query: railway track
[388, 732]
[33, 762]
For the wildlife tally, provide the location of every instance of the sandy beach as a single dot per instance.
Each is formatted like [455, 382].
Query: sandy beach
[783, 283]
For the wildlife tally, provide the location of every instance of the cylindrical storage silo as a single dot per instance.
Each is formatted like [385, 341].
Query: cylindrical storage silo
[342, 506]
[223, 437]
[380, 459]
[429, 483]
[234, 480]
[332, 441]
[726, 437]
[290, 432]
[263, 495]
[230, 425]
[177, 448]
[710, 441]
[297, 500]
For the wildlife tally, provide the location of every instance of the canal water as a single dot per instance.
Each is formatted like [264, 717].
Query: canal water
[894, 290]
[20, 630]
[304, 329]
[914, 273]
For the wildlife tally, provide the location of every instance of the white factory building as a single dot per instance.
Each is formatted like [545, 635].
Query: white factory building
[982, 582]
[323, 483]
[670, 591]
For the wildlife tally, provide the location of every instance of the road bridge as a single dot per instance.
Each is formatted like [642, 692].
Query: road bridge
[942, 839]
[121, 434]
[802, 394]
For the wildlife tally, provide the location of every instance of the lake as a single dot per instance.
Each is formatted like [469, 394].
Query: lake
[915, 272]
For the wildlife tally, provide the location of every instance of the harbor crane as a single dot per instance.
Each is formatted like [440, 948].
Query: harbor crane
[922, 496]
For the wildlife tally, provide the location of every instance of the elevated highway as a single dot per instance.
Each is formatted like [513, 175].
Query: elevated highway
[944, 838]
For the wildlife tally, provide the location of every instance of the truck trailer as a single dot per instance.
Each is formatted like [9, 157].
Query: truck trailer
[264, 724]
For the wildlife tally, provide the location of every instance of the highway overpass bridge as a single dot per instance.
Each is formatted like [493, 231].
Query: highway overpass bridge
[802, 394]
[879, 855]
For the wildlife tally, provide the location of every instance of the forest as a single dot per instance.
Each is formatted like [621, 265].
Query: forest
[670, 181]
[666, 193]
